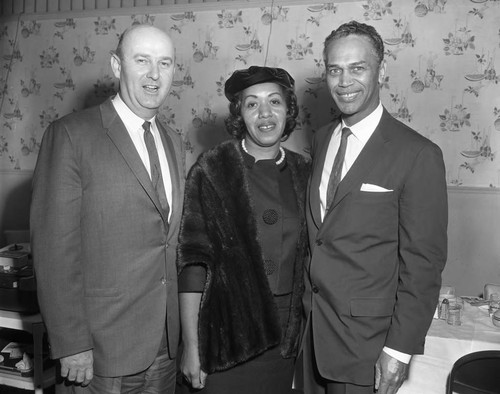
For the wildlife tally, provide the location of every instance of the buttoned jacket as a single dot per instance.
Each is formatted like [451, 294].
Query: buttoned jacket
[104, 253]
[377, 256]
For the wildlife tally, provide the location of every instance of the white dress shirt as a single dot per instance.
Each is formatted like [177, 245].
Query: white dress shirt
[361, 133]
[134, 123]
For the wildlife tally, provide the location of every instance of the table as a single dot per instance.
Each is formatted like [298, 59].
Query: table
[34, 325]
[444, 344]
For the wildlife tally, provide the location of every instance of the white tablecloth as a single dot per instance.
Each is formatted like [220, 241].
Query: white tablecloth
[444, 344]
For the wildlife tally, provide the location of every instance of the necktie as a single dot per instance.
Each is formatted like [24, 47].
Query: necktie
[336, 173]
[154, 162]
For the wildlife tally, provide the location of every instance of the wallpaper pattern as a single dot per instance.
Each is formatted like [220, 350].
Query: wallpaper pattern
[442, 81]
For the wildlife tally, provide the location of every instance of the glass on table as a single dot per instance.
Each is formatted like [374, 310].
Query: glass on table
[456, 303]
[446, 292]
[455, 311]
[454, 317]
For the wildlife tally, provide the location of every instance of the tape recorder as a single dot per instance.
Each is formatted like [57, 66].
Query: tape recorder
[17, 279]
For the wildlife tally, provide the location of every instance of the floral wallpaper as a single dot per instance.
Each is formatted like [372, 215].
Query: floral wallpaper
[442, 81]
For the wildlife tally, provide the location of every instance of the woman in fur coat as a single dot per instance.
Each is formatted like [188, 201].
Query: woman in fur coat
[242, 245]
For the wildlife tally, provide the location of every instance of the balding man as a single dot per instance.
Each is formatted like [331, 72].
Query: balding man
[107, 196]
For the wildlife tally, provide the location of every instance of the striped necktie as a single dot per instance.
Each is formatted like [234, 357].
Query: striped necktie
[336, 174]
[154, 162]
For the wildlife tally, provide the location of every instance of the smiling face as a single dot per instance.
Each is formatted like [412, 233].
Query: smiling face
[145, 68]
[264, 110]
[353, 75]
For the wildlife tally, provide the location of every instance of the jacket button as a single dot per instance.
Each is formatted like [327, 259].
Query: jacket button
[163, 281]
[319, 242]
[315, 289]
[270, 216]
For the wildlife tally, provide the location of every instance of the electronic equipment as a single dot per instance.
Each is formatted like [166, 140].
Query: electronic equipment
[15, 255]
[17, 279]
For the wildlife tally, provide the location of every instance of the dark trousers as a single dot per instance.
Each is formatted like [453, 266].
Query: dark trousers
[313, 382]
[158, 378]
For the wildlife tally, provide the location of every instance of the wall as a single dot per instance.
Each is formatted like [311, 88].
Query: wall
[474, 247]
[14, 7]
[441, 55]
[15, 198]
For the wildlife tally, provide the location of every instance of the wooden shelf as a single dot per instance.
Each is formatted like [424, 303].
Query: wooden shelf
[27, 383]
[41, 378]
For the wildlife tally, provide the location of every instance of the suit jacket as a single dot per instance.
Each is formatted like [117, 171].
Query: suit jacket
[104, 254]
[377, 257]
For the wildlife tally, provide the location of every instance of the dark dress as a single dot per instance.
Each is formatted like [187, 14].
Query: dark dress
[278, 224]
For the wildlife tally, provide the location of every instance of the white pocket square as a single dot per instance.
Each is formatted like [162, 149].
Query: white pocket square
[368, 187]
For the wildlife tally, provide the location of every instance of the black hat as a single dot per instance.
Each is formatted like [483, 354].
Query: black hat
[242, 79]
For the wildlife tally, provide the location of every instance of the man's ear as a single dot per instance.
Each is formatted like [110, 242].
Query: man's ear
[116, 65]
[381, 72]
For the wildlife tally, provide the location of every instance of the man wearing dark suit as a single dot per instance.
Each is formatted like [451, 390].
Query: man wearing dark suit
[106, 207]
[377, 230]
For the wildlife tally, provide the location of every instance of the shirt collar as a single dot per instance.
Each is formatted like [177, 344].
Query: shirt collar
[127, 116]
[365, 127]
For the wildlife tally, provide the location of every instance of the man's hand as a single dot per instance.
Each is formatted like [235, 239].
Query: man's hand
[78, 368]
[389, 374]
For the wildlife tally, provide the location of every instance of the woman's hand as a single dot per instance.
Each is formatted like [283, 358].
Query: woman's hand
[190, 360]
[191, 367]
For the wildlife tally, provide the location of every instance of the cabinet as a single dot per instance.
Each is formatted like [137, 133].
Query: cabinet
[41, 378]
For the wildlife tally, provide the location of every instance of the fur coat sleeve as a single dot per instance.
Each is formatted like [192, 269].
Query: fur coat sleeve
[238, 318]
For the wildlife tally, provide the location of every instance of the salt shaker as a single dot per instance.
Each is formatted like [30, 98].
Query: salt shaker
[443, 312]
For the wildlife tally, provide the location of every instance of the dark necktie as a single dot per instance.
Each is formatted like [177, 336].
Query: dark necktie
[154, 162]
[336, 173]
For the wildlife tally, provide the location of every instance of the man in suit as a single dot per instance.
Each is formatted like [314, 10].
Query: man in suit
[377, 219]
[106, 207]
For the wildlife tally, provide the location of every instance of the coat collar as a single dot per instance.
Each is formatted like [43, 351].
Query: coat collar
[319, 157]
[117, 132]
[366, 160]
[362, 166]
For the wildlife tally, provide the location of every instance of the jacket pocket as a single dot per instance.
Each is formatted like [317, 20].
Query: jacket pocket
[376, 197]
[372, 306]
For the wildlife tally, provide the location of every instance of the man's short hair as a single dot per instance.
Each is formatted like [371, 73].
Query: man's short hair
[359, 29]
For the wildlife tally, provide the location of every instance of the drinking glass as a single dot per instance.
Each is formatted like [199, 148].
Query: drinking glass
[455, 311]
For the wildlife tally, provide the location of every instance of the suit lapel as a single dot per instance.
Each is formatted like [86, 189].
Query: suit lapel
[118, 134]
[319, 161]
[173, 169]
[363, 164]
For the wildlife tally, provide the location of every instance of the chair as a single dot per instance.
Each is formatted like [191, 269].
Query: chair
[476, 373]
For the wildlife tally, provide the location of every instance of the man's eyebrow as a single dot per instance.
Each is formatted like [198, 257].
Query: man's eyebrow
[149, 56]
[360, 63]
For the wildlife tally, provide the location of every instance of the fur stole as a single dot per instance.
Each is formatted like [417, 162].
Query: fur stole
[238, 318]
